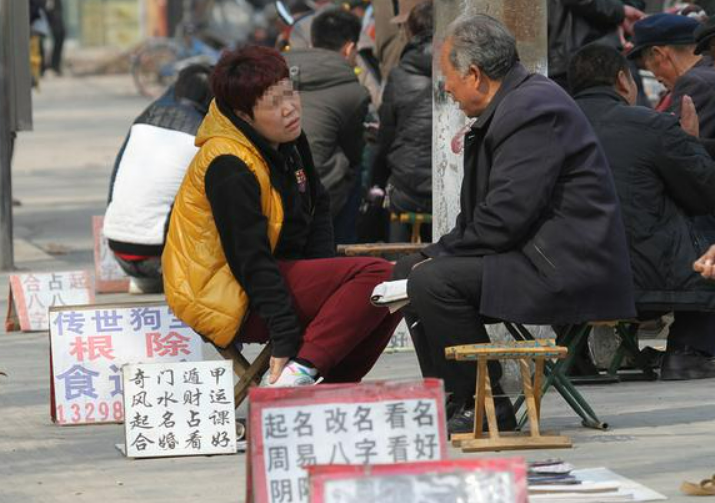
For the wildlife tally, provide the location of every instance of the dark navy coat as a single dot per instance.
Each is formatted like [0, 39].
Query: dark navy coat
[538, 202]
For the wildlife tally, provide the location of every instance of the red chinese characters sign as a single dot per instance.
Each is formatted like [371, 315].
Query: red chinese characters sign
[362, 424]
[90, 344]
[501, 480]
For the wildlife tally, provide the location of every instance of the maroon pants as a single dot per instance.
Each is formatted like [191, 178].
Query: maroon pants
[343, 334]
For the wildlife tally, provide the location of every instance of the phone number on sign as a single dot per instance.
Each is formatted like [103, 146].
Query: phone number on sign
[91, 412]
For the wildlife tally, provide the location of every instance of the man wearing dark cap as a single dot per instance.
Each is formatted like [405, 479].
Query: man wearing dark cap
[665, 45]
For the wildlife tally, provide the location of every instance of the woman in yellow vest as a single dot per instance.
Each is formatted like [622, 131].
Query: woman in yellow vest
[249, 255]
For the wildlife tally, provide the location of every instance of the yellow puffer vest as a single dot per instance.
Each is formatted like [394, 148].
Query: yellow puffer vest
[199, 285]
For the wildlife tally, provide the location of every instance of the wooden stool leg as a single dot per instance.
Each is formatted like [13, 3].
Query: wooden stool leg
[489, 406]
[253, 375]
[529, 397]
[479, 400]
[538, 384]
[416, 238]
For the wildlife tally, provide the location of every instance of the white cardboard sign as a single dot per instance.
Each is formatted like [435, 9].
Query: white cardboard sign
[109, 275]
[179, 409]
[401, 341]
[89, 345]
[32, 294]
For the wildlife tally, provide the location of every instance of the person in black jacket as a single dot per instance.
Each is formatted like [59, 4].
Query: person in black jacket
[403, 161]
[573, 24]
[663, 177]
[539, 238]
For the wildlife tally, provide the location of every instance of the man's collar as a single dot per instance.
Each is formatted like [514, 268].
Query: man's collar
[607, 91]
[511, 80]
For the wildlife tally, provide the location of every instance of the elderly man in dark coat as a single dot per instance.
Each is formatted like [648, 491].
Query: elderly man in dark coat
[539, 238]
[665, 45]
[663, 176]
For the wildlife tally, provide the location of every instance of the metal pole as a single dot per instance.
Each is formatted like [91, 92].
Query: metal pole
[7, 259]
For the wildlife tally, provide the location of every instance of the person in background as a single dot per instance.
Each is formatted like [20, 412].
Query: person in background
[663, 177]
[573, 24]
[705, 39]
[403, 162]
[300, 33]
[56, 21]
[334, 110]
[249, 255]
[665, 45]
[389, 38]
[147, 174]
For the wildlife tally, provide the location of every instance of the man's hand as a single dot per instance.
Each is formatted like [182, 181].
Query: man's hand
[275, 368]
[633, 15]
[705, 265]
[689, 117]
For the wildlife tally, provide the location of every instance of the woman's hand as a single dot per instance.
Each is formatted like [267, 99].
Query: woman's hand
[275, 368]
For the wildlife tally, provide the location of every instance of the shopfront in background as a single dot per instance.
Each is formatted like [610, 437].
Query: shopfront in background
[114, 23]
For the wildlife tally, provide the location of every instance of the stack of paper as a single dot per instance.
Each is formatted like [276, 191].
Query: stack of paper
[593, 485]
[390, 294]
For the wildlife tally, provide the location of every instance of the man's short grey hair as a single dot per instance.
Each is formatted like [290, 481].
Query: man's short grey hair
[484, 42]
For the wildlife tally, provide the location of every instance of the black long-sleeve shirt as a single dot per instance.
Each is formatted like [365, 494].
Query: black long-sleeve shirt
[235, 197]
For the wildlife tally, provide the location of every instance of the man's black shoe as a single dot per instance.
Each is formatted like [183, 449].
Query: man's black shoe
[463, 420]
[686, 363]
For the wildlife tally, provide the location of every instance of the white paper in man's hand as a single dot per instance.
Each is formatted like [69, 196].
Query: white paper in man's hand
[390, 294]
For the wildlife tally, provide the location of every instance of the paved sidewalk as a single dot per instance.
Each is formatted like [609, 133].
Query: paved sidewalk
[660, 435]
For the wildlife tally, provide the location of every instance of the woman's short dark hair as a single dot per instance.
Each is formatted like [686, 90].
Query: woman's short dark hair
[595, 65]
[241, 77]
[421, 19]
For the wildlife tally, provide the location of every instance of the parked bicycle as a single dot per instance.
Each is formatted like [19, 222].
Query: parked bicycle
[157, 63]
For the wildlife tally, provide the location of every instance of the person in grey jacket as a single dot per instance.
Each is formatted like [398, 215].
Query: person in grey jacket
[334, 108]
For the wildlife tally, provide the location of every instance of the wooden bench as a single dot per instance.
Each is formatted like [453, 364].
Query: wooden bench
[380, 249]
[539, 352]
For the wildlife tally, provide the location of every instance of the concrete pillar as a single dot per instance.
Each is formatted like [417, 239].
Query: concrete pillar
[526, 19]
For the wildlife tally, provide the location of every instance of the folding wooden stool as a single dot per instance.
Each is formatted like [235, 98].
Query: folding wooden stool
[249, 373]
[523, 351]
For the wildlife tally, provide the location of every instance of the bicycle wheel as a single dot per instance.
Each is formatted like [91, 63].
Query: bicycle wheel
[153, 67]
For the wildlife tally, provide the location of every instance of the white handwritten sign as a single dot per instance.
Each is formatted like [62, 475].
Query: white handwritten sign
[89, 345]
[401, 340]
[498, 480]
[109, 276]
[32, 294]
[369, 423]
[179, 409]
